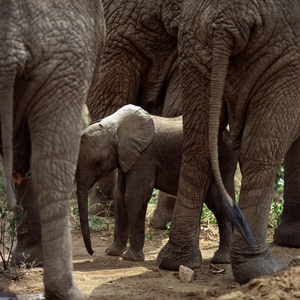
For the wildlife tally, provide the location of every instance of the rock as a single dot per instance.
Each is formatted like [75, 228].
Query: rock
[186, 274]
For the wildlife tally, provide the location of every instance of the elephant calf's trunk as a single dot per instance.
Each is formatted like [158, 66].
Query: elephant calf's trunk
[82, 193]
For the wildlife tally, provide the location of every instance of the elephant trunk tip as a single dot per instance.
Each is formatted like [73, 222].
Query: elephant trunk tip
[90, 251]
[238, 220]
[88, 244]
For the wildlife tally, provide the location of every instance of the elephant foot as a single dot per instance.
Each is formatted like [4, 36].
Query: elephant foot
[221, 257]
[133, 255]
[247, 268]
[31, 256]
[288, 235]
[73, 293]
[171, 257]
[116, 249]
[160, 220]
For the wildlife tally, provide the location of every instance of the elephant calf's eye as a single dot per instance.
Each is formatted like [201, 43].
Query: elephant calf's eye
[98, 163]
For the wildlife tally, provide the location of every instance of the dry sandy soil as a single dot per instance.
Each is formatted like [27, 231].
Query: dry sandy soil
[104, 277]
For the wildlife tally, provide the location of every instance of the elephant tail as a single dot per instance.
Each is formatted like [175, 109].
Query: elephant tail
[222, 49]
[7, 80]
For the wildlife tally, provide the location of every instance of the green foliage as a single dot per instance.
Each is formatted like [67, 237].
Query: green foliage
[277, 201]
[279, 183]
[275, 216]
[207, 215]
[95, 223]
[168, 226]
[9, 223]
[86, 120]
[154, 197]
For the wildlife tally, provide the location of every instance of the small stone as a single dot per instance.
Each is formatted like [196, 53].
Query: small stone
[186, 274]
[233, 295]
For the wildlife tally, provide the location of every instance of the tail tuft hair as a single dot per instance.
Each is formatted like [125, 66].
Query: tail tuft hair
[238, 220]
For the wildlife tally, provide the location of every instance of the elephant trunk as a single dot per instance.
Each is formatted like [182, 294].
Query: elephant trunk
[222, 49]
[82, 194]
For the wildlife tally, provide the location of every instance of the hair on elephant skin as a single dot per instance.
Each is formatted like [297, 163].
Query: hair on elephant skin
[48, 54]
[147, 152]
[243, 57]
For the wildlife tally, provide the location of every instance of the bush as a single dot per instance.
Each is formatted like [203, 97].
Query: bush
[8, 231]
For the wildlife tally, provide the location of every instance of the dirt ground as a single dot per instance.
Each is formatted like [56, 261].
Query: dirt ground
[104, 277]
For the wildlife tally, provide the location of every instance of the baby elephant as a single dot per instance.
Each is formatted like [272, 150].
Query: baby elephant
[147, 152]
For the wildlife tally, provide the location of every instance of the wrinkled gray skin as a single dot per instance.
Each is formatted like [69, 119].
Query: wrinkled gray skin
[129, 53]
[249, 59]
[158, 71]
[147, 152]
[135, 53]
[156, 53]
[48, 54]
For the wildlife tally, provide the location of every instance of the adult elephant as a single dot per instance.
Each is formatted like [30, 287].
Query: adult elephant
[143, 48]
[244, 57]
[140, 66]
[48, 54]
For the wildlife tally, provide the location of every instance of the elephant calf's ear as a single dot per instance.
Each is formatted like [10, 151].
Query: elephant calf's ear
[135, 133]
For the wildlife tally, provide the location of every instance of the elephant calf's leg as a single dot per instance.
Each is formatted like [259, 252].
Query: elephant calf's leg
[228, 159]
[138, 194]
[162, 215]
[215, 204]
[121, 220]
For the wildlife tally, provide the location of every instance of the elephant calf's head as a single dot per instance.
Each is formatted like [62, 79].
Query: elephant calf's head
[115, 141]
[98, 153]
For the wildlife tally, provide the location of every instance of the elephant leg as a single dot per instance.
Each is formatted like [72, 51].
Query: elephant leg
[101, 200]
[138, 194]
[228, 160]
[214, 203]
[288, 232]
[121, 220]
[54, 205]
[265, 141]
[163, 211]
[29, 243]
[195, 175]
[183, 245]
[255, 201]
[54, 152]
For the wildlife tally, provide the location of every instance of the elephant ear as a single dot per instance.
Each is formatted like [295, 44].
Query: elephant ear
[135, 133]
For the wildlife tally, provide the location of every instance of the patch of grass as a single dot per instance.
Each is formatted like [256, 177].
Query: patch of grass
[275, 216]
[207, 215]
